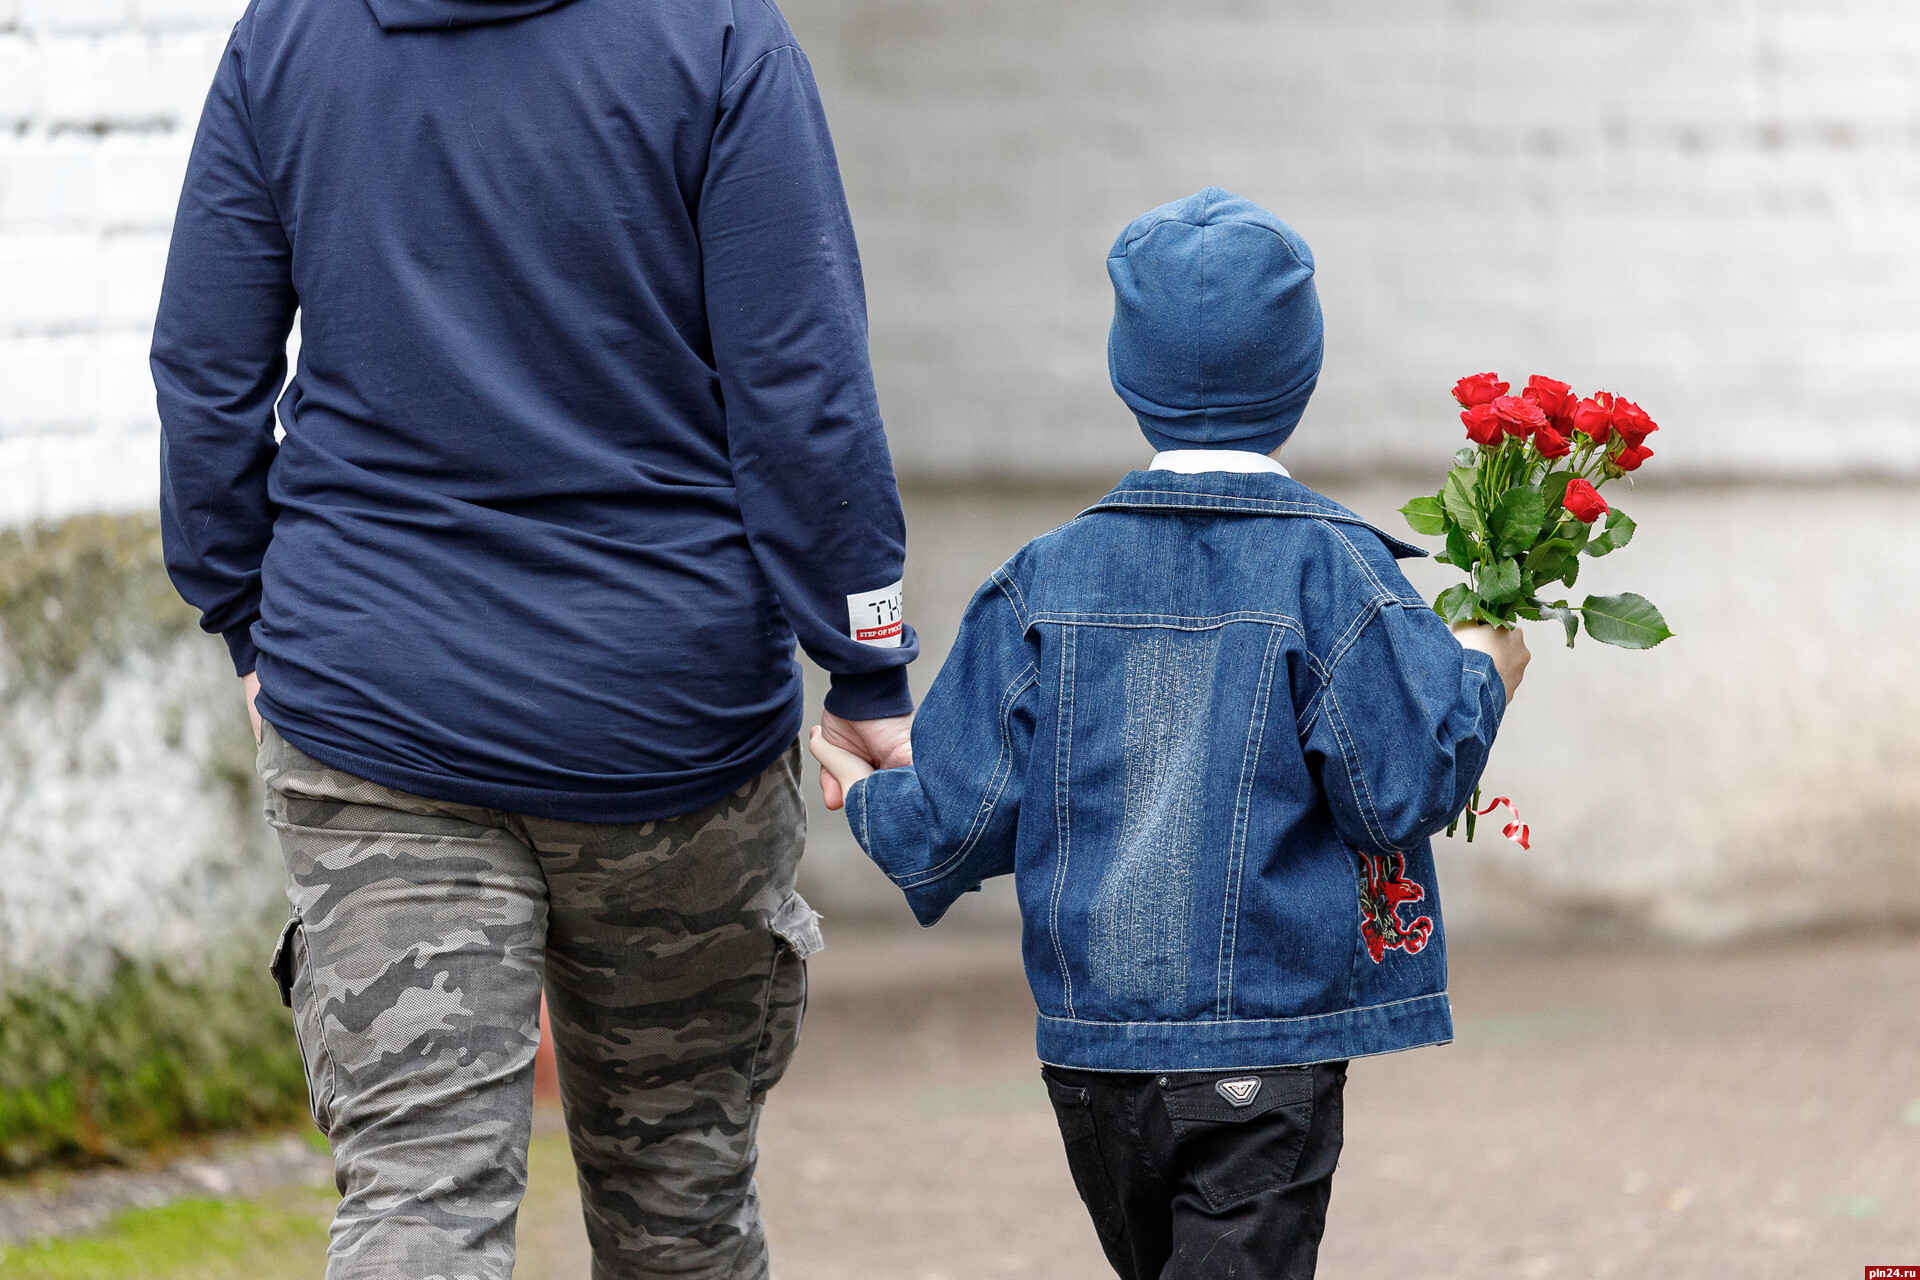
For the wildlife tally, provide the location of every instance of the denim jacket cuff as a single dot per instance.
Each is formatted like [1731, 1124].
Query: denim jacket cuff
[856, 814]
[1491, 674]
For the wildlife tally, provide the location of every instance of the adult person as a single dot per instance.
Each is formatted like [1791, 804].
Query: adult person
[582, 436]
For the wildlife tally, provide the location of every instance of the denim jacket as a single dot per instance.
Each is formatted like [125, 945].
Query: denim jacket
[1209, 727]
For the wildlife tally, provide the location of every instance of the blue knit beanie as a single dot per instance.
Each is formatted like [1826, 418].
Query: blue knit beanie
[1216, 339]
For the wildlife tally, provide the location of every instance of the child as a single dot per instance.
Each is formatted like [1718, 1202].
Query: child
[1209, 727]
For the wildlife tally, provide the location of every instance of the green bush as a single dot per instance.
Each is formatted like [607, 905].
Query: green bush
[95, 1072]
[87, 585]
[152, 1057]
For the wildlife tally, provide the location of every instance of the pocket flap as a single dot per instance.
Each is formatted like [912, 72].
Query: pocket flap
[281, 966]
[798, 925]
[1230, 1097]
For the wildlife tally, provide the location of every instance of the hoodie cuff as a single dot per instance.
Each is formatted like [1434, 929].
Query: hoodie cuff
[873, 695]
[240, 645]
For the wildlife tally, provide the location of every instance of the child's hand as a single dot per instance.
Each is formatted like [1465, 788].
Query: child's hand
[1507, 649]
[839, 768]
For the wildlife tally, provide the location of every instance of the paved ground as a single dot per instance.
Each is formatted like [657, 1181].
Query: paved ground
[1651, 1115]
[1753, 1114]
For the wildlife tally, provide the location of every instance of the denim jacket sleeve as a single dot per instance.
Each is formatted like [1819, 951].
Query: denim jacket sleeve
[1404, 720]
[941, 827]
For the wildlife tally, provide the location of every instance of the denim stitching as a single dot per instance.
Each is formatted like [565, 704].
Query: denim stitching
[1373, 577]
[1350, 750]
[1250, 1022]
[1304, 721]
[1154, 500]
[1237, 846]
[1062, 765]
[1151, 498]
[1009, 589]
[1353, 956]
[1170, 621]
[1351, 635]
[1002, 772]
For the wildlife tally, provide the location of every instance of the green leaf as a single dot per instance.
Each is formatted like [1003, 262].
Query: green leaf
[1455, 603]
[1553, 490]
[1627, 620]
[1457, 497]
[1462, 551]
[1500, 583]
[1516, 520]
[1466, 456]
[1619, 532]
[1578, 532]
[1550, 559]
[1425, 515]
[1564, 616]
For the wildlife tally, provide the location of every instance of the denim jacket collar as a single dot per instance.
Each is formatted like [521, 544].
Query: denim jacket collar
[1234, 493]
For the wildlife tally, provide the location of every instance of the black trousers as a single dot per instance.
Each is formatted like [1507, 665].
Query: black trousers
[1204, 1175]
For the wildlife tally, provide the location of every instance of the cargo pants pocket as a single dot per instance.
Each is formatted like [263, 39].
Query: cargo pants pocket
[1073, 1108]
[796, 936]
[292, 972]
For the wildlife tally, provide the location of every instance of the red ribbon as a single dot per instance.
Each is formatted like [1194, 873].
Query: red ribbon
[1516, 831]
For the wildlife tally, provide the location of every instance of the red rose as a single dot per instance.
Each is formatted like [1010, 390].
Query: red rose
[1483, 424]
[1481, 388]
[1554, 398]
[1584, 501]
[1632, 422]
[1551, 443]
[1630, 458]
[1519, 417]
[1593, 417]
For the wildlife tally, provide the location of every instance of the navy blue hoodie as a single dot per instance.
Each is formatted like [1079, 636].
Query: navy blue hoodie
[583, 431]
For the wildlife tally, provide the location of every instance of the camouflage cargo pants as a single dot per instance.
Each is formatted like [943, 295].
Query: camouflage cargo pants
[674, 959]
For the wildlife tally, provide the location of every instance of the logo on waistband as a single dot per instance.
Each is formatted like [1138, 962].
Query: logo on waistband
[1240, 1093]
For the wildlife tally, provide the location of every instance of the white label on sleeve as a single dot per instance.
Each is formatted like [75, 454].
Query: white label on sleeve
[875, 616]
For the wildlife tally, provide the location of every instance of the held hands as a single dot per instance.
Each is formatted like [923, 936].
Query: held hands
[839, 768]
[1506, 647]
[849, 750]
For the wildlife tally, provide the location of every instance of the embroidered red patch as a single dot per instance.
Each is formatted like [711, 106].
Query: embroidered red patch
[1382, 893]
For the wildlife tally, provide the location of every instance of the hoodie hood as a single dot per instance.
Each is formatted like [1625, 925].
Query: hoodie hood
[1216, 339]
[439, 15]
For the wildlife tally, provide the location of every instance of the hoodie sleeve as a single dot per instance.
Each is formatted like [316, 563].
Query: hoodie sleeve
[219, 360]
[787, 311]
[1405, 720]
[941, 827]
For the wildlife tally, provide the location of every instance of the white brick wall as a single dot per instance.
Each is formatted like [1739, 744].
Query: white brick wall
[1706, 203]
[98, 103]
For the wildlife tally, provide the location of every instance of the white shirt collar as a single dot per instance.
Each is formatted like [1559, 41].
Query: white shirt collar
[1194, 461]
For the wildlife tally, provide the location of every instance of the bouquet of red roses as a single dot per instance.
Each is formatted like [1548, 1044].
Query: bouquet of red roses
[1522, 505]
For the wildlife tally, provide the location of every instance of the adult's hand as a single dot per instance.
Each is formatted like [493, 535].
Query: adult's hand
[250, 683]
[886, 743]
